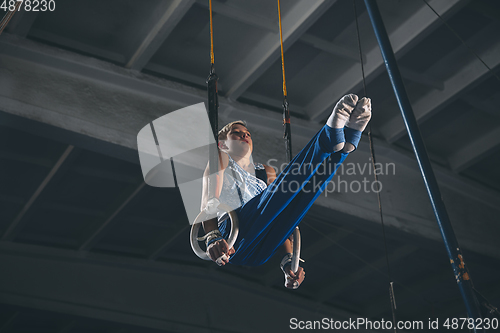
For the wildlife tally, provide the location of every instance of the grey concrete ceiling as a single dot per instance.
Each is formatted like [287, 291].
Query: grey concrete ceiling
[86, 246]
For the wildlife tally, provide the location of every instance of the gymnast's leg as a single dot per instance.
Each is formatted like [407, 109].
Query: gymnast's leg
[267, 220]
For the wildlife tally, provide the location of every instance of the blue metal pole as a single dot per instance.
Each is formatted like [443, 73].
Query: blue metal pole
[456, 258]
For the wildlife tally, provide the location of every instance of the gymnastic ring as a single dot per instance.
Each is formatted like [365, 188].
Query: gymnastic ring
[296, 250]
[233, 217]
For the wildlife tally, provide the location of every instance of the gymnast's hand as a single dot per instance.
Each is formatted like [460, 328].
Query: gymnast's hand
[217, 249]
[294, 277]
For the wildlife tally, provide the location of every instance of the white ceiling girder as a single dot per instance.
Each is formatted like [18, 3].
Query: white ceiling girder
[7, 324]
[89, 239]
[76, 45]
[22, 22]
[447, 179]
[431, 103]
[240, 15]
[475, 151]
[97, 70]
[14, 156]
[267, 51]
[488, 105]
[171, 15]
[271, 26]
[408, 34]
[273, 102]
[185, 77]
[10, 230]
[421, 78]
[335, 49]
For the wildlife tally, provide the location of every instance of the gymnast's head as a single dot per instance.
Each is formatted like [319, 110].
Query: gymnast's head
[235, 139]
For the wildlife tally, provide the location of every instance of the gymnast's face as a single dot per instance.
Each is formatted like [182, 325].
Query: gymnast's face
[239, 141]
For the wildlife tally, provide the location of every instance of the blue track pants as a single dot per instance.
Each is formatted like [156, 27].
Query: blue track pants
[268, 219]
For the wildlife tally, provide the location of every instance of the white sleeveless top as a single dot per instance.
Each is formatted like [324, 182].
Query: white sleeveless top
[239, 186]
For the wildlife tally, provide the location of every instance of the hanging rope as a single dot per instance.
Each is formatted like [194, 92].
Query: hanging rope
[372, 153]
[287, 131]
[6, 19]
[282, 54]
[287, 135]
[213, 111]
[212, 61]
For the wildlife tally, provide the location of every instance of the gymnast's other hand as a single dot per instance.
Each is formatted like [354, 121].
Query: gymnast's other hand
[294, 277]
[217, 250]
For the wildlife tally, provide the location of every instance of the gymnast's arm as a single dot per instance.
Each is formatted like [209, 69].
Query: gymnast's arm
[287, 246]
[217, 248]
[271, 176]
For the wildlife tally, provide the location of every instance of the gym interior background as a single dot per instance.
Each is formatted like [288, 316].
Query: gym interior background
[86, 246]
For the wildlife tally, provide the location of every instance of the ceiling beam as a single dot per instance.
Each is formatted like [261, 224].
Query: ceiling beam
[296, 22]
[76, 45]
[67, 208]
[138, 219]
[475, 151]
[7, 326]
[104, 174]
[12, 199]
[403, 38]
[68, 326]
[271, 26]
[19, 157]
[421, 78]
[271, 102]
[241, 15]
[446, 178]
[468, 75]
[176, 74]
[165, 241]
[16, 224]
[334, 287]
[22, 22]
[48, 240]
[487, 9]
[331, 48]
[93, 234]
[80, 66]
[168, 15]
[485, 104]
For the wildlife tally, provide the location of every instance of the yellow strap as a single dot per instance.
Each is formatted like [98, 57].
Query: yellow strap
[211, 35]
[282, 56]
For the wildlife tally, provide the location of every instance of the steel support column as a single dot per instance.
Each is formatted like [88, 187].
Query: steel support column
[450, 241]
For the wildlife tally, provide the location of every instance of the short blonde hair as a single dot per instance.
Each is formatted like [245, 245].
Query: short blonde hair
[226, 129]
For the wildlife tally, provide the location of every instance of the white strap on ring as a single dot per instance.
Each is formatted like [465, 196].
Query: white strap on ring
[221, 258]
[296, 250]
[202, 217]
[294, 260]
